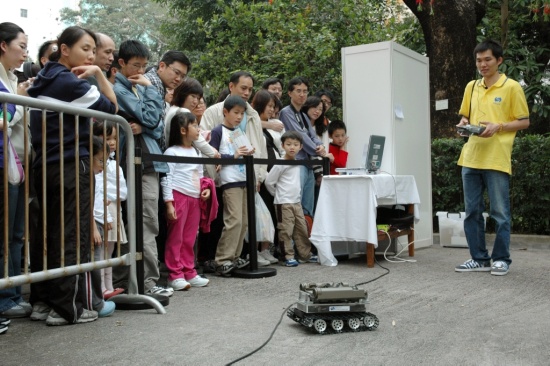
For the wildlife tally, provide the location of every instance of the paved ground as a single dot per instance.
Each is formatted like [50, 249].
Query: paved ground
[429, 315]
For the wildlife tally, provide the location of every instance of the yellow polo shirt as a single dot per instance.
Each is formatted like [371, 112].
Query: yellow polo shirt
[503, 102]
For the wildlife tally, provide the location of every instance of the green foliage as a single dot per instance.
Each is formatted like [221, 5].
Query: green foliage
[287, 38]
[529, 195]
[122, 20]
[526, 57]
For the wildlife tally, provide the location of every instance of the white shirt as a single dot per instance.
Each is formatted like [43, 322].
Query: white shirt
[182, 177]
[111, 173]
[283, 182]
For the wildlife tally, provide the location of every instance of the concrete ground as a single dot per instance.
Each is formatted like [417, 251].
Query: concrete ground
[429, 315]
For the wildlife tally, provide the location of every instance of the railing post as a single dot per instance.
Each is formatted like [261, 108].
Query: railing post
[140, 271]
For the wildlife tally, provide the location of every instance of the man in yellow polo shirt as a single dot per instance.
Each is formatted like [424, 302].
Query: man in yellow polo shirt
[497, 103]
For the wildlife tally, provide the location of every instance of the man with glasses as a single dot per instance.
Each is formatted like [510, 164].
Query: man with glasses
[294, 120]
[142, 105]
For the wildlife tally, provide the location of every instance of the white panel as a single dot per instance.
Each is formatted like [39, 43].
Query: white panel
[378, 78]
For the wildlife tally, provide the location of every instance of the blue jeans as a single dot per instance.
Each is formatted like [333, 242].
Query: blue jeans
[10, 297]
[308, 189]
[497, 184]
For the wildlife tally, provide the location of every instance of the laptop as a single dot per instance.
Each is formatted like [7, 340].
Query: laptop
[372, 157]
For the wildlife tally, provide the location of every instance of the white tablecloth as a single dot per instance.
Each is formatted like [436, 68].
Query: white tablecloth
[346, 209]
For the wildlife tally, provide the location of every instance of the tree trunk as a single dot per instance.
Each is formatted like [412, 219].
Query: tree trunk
[450, 35]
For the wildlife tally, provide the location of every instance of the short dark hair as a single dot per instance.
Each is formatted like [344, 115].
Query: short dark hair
[188, 86]
[336, 125]
[179, 121]
[232, 101]
[115, 64]
[98, 128]
[297, 81]
[293, 135]
[176, 56]
[132, 48]
[261, 100]
[69, 37]
[327, 93]
[97, 145]
[42, 50]
[489, 44]
[223, 94]
[266, 84]
[9, 32]
[278, 103]
[235, 77]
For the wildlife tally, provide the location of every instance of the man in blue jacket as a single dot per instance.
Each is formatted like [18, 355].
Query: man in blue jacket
[142, 105]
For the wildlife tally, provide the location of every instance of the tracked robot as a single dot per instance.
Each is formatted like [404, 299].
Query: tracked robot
[327, 308]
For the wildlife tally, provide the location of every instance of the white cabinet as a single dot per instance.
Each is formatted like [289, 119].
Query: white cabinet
[385, 89]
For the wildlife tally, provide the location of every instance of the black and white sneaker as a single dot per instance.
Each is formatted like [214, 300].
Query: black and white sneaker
[225, 269]
[473, 266]
[5, 321]
[159, 290]
[240, 263]
[3, 328]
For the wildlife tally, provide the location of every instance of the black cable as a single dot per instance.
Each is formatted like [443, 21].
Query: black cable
[374, 279]
[266, 342]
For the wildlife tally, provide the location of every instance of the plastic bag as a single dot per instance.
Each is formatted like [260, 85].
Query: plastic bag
[16, 175]
[265, 231]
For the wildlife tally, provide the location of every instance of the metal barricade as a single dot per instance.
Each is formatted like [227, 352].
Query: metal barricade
[129, 259]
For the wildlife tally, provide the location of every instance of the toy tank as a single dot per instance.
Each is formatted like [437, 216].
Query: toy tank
[332, 308]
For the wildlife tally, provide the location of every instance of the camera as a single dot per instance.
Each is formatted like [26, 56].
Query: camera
[468, 130]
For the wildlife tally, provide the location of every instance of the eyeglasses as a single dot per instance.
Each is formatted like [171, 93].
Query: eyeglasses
[138, 66]
[177, 72]
[326, 102]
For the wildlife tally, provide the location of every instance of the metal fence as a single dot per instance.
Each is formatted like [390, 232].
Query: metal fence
[46, 273]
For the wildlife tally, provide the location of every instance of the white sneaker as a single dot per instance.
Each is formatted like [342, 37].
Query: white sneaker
[262, 262]
[266, 254]
[40, 311]
[198, 281]
[179, 284]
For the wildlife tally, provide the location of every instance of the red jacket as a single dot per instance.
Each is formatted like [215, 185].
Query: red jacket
[209, 208]
[340, 158]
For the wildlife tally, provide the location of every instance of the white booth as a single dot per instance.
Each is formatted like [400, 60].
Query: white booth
[385, 90]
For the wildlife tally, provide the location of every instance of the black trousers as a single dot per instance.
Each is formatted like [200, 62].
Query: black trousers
[68, 295]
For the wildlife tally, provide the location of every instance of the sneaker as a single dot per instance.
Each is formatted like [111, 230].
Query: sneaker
[5, 321]
[40, 311]
[473, 266]
[16, 311]
[266, 254]
[198, 281]
[262, 262]
[25, 305]
[209, 266]
[225, 269]
[500, 268]
[159, 290]
[240, 263]
[312, 259]
[291, 263]
[179, 284]
[87, 316]
[3, 328]
[107, 310]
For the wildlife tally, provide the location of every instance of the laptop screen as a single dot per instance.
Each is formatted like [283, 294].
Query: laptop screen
[375, 152]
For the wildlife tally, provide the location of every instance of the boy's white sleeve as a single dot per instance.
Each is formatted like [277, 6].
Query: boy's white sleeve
[204, 147]
[272, 178]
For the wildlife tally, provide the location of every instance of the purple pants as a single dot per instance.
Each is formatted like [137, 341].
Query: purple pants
[178, 255]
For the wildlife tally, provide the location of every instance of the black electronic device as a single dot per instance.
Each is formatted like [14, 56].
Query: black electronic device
[468, 130]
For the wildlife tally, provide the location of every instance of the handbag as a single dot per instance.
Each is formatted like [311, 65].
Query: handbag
[16, 175]
[265, 231]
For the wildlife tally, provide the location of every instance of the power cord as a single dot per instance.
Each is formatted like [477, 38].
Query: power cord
[266, 342]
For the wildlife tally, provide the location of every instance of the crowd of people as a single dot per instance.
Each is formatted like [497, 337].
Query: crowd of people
[167, 113]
